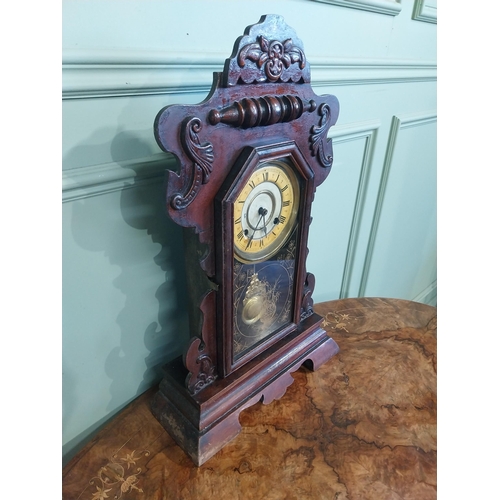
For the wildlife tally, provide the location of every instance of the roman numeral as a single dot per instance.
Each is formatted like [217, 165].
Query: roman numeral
[251, 184]
[282, 219]
[238, 220]
[286, 203]
[240, 235]
[265, 176]
[284, 188]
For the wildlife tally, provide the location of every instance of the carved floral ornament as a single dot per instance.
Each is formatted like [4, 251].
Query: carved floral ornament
[273, 55]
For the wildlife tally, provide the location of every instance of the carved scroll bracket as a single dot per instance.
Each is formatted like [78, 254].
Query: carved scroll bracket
[199, 355]
[307, 301]
[202, 158]
[200, 366]
[317, 139]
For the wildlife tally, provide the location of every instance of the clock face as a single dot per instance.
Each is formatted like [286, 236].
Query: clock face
[265, 215]
[265, 211]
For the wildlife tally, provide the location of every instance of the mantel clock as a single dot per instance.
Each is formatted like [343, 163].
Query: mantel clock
[251, 156]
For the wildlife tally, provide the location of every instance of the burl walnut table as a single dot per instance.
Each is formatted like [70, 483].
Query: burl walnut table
[361, 427]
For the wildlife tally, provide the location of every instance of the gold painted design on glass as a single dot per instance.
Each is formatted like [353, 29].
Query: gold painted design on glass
[265, 211]
[263, 298]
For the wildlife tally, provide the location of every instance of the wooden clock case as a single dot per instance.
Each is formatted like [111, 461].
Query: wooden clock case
[261, 107]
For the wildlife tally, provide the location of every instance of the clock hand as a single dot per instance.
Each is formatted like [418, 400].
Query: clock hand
[253, 234]
[262, 212]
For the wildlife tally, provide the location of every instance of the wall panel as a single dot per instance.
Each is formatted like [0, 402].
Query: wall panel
[425, 10]
[401, 254]
[389, 7]
[335, 229]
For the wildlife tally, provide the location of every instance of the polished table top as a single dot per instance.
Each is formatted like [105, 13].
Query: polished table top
[362, 427]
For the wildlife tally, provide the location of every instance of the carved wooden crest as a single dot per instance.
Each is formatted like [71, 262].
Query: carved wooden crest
[269, 51]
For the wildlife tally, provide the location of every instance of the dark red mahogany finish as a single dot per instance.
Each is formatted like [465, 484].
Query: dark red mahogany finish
[261, 107]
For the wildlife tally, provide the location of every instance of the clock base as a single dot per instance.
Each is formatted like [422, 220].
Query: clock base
[204, 423]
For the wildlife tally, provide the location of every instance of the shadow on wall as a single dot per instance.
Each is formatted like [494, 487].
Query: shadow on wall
[142, 208]
[153, 320]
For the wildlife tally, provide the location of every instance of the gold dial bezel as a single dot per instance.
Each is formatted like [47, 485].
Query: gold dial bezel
[272, 188]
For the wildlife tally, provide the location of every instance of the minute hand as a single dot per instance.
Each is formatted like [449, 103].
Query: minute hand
[262, 212]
